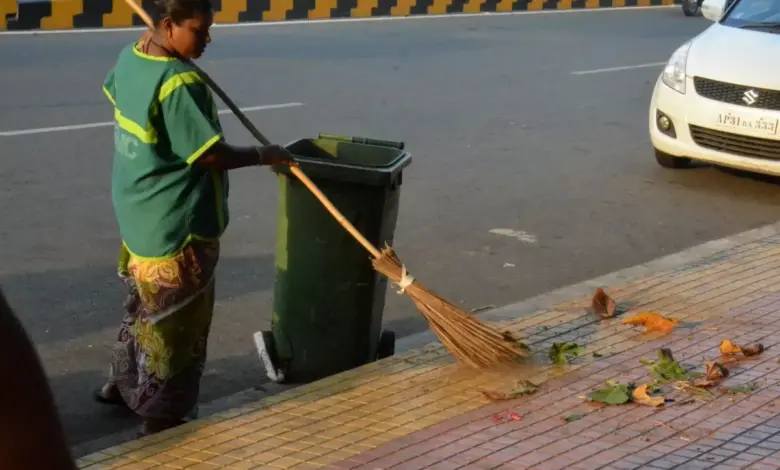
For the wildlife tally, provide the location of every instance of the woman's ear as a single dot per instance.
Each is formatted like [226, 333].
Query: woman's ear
[167, 27]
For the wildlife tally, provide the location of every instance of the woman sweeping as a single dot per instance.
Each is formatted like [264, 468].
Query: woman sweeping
[169, 190]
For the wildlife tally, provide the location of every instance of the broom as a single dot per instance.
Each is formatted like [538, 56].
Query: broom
[468, 339]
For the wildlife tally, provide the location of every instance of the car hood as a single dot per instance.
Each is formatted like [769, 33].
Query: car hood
[736, 55]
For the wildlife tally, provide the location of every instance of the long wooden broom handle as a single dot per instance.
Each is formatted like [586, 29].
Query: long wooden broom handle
[263, 140]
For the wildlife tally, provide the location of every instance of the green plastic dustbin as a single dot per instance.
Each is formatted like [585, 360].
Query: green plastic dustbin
[328, 300]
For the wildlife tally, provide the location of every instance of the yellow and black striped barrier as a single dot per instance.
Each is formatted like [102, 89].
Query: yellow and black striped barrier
[70, 14]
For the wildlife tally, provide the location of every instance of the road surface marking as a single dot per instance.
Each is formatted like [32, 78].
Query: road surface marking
[77, 127]
[524, 237]
[344, 20]
[618, 69]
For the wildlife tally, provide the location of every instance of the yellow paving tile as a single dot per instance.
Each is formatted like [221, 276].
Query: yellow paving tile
[203, 466]
[225, 447]
[198, 456]
[334, 444]
[140, 466]
[244, 466]
[179, 464]
[307, 466]
[242, 453]
[259, 436]
[313, 440]
[285, 462]
[295, 446]
[113, 463]
[314, 451]
[357, 448]
[222, 461]
[96, 457]
[178, 452]
[160, 459]
[265, 457]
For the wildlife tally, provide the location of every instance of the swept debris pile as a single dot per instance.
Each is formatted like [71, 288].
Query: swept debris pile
[666, 373]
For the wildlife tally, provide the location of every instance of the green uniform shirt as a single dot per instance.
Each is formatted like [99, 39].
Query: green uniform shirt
[165, 119]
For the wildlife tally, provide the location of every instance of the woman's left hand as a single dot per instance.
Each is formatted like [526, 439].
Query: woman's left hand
[276, 155]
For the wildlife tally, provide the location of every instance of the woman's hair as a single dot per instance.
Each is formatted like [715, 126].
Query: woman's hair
[180, 10]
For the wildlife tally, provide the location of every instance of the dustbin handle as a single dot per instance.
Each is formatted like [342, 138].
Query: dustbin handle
[364, 140]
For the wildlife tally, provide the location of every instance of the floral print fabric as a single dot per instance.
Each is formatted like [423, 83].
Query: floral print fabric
[160, 352]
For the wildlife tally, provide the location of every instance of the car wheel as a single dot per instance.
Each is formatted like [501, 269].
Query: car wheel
[690, 7]
[669, 161]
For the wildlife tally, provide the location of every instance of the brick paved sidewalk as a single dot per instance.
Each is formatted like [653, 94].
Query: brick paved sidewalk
[419, 410]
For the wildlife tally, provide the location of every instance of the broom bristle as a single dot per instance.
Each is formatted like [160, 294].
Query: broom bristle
[467, 338]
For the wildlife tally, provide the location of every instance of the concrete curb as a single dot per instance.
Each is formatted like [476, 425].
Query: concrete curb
[526, 307]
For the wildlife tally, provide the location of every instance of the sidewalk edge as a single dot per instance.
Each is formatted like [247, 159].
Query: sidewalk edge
[511, 311]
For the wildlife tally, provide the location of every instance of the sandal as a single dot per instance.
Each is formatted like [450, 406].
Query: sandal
[108, 395]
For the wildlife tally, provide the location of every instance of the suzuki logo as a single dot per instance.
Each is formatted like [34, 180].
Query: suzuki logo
[750, 97]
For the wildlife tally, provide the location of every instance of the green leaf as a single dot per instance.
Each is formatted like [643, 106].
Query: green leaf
[666, 369]
[522, 345]
[749, 387]
[523, 387]
[561, 353]
[575, 417]
[612, 394]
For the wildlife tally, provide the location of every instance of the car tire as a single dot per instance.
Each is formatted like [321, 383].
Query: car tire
[690, 7]
[669, 161]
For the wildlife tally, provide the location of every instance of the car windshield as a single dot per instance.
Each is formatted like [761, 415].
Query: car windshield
[754, 14]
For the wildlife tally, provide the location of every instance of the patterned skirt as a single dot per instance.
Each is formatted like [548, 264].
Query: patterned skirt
[160, 353]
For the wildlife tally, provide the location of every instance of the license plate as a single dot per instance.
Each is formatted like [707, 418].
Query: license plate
[760, 125]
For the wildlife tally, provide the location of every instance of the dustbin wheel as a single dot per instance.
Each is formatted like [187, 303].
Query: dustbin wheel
[386, 347]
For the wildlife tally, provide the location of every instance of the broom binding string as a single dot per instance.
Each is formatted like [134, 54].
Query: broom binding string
[405, 281]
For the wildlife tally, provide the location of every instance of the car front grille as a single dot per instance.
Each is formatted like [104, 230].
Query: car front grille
[735, 94]
[735, 144]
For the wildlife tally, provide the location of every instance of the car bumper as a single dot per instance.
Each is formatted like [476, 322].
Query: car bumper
[691, 109]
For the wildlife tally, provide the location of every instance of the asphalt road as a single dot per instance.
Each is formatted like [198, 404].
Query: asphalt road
[502, 134]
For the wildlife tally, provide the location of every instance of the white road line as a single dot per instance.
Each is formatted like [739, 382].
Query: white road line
[617, 69]
[345, 20]
[77, 127]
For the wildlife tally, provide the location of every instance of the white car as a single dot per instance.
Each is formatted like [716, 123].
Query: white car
[718, 98]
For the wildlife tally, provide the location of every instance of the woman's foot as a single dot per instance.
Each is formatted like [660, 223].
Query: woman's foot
[108, 394]
[153, 426]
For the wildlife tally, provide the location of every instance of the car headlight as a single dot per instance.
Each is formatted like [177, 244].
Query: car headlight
[674, 73]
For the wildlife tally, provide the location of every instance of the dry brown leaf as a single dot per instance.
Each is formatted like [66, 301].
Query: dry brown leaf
[495, 396]
[727, 348]
[508, 336]
[715, 372]
[603, 305]
[521, 387]
[753, 349]
[639, 395]
[652, 321]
